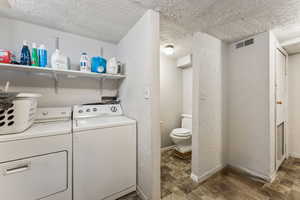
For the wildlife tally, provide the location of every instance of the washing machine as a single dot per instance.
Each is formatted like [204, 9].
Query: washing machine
[37, 163]
[104, 142]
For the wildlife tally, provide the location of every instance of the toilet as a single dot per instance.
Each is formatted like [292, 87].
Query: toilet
[182, 137]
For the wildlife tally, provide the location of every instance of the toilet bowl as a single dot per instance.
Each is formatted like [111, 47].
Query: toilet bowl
[182, 137]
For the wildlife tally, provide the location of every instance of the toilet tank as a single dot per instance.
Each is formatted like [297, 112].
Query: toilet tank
[186, 121]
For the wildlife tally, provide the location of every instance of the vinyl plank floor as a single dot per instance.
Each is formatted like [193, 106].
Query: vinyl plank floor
[228, 184]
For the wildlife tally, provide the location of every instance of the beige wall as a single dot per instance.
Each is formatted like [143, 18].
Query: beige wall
[70, 91]
[170, 97]
[208, 131]
[251, 106]
[187, 90]
[294, 105]
[139, 49]
[248, 122]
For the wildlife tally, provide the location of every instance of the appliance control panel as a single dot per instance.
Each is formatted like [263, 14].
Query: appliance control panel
[53, 114]
[83, 111]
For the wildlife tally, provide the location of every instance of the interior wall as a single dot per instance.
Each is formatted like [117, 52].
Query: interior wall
[71, 45]
[170, 97]
[71, 91]
[250, 90]
[208, 133]
[294, 105]
[187, 90]
[139, 50]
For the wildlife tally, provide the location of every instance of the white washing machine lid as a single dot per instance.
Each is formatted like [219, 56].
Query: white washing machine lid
[181, 132]
[41, 130]
[101, 122]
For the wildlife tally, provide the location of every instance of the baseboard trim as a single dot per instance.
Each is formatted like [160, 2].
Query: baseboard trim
[194, 177]
[141, 194]
[122, 193]
[273, 176]
[167, 148]
[295, 155]
[254, 174]
[206, 175]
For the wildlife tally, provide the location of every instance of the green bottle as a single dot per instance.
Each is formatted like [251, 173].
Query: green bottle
[35, 58]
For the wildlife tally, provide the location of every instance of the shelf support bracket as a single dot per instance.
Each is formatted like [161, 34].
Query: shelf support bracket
[55, 77]
[101, 88]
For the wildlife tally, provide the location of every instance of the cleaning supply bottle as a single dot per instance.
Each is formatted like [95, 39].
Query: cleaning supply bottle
[99, 63]
[84, 62]
[42, 54]
[58, 60]
[25, 54]
[35, 57]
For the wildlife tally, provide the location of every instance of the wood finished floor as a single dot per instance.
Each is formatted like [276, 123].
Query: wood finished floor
[225, 185]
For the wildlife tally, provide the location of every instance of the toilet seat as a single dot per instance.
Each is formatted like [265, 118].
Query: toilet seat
[181, 132]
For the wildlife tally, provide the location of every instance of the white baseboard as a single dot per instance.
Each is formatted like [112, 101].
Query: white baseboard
[194, 178]
[167, 148]
[121, 194]
[295, 155]
[273, 176]
[255, 174]
[206, 175]
[141, 194]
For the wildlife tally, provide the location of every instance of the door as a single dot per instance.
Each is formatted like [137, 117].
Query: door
[281, 100]
[34, 178]
[104, 162]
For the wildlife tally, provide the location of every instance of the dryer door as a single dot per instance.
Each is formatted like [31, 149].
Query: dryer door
[34, 178]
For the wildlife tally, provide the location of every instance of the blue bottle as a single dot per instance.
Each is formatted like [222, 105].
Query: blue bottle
[43, 56]
[25, 55]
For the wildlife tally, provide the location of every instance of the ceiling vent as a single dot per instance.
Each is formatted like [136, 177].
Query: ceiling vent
[244, 43]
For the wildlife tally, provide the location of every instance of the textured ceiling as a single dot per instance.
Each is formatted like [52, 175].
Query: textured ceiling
[229, 20]
[292, 49]
[107, 20]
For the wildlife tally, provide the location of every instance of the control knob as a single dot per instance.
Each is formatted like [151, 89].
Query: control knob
[113, 109]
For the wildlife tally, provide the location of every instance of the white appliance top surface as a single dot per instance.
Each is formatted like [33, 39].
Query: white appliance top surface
[41, 130]
[49, 122]
[101, 122]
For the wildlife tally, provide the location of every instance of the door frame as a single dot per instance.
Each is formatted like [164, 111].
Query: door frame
[285, 121]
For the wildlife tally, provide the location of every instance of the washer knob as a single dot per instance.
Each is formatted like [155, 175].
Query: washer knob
[114, 109]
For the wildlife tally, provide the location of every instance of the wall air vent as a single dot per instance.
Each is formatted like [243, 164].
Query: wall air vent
[249, 42]
[244, 43]
[239, 45]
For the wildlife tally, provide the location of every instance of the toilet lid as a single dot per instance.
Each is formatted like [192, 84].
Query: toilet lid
[181, 132]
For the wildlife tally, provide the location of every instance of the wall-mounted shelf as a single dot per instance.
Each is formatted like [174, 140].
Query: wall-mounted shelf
[56, 72]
